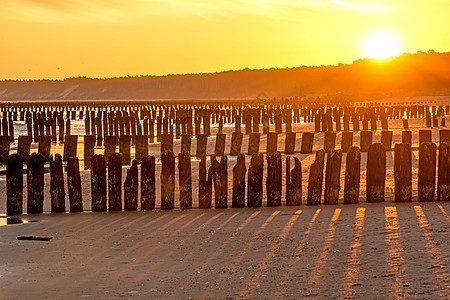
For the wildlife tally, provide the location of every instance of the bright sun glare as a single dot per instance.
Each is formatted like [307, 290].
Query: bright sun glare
[381, 45]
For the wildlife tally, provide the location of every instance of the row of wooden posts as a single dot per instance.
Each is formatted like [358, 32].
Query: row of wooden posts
[217, 177]
[141, 143]
[122, 122]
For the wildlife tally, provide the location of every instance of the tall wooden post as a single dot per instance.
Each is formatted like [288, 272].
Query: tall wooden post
[403, 173]
[352, 175]
[427, 171]
[376, 173]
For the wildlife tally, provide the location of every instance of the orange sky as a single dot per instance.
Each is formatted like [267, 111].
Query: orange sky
[105, 38]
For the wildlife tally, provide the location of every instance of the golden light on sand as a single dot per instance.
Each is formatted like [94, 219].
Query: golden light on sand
[381, 45]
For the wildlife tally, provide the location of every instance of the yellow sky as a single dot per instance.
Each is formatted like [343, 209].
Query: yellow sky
[105, 38]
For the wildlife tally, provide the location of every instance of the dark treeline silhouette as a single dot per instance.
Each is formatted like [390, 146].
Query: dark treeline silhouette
[419, 74]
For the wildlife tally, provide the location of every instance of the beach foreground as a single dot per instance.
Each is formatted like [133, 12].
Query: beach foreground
[363, 251]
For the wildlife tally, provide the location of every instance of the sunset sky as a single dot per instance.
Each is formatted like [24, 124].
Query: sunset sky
[105, 38]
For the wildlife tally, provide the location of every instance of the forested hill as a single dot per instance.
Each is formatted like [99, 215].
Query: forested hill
[407, 75]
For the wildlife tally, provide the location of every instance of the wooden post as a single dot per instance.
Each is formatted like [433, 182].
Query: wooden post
[89, 145]
[444, 136]
[167, 180]
[406, 137]
[427, 171]
[386, 140]
[239, 171]
[329, 141]
[443, 191]
[316, 179]
[307, 142]
[425, 136]
[125, 149]
[266, 127]
[352, 176]
[317, 123]
[186, 144]
[115, 182]
[272, 143]
[220, 144]
[166, 142]
[365, 140]
[185, 180]
[236, 143]
[70, 146]
[202, 140]
[14, 184]
[74, 185]
[403, 173]
[355, 118]
[255, 181]
[289, 143]
[220, 180]
[57, 193]
[98, 183]
[376, 173]
[5, 144]
[141, 147]
[35, 183]
[44, 146]
[347, 141]
[332, 177]
[204, 185]
[130, 187]
[274, 178]
[293, 183]
[405, 124]
[148, 189]
[253, 143]
[207, 124]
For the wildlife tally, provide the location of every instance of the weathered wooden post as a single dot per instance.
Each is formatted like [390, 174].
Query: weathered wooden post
[329, 141]
[89, 146]
[373, 122]
[148, 186]
[253, 143]
[307, 142]
[346, 122]
[5, 143]
[115, 182]
[141, 147]
[425, 136]
[289, 143]
[74, 185]
[35, 183]
[428, 119]
[255, 181]
[435, 121]
[274, 177]
[167, 180]
[347, 141]
[355, 119]
[332, 177]
[248, 124]
[405, 124]
[272, 142]
[130, 187]
[316, 179]
[365, 140]
[98, 183]
[57, 193]
[204, 185]
[265, 120]
[376, 173]
[403, 173]
[220, 180]
[386, 139]
[444, 136]
[352, 176]
[239, 171]
[185, 180]
[406, 137]
[220, 144]
[125, 149]
[317, 122]
[427, 171]
[14, 184]
[293, 182]
[207, 124]
[202, 140]
[443, 191]
[186, 144]
[236, 143]
[166, 142]
[70, 146]
[44, 146]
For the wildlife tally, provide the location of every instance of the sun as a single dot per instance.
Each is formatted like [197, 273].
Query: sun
[381, 45]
